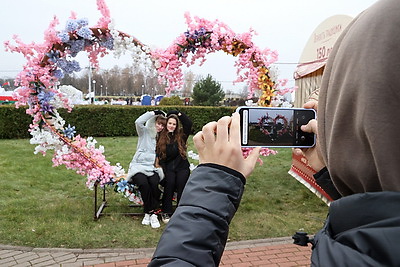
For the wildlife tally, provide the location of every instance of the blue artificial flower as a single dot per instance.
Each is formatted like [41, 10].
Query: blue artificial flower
[45, 97]
[68, 66]
[109, 43]
[75, 65]
[62, 63]
[71, 25]
[64, 36]
[202, 31]
[69, 132]
[53, 55]
[58, 74]
[85, 33]
[122, 186]
[46, 107]
[83, 22]
[195, 35]
[88, 42]
[77, 45]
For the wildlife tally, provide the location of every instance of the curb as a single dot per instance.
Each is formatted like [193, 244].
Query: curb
[12, 256]
[229, 246]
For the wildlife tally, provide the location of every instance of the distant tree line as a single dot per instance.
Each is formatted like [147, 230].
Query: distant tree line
[117, 81]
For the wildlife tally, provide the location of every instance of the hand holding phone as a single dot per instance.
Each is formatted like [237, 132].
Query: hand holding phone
[219, 143]
[275, 127]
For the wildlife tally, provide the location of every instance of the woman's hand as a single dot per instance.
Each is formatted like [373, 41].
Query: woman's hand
[157, 163]
[219, 143]
[313, 155]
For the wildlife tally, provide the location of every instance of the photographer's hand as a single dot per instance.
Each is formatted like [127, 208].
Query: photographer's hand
[313, 155]
[219, 143]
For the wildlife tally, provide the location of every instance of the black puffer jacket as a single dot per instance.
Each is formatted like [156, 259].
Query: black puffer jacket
[361, 230]
[197, 232]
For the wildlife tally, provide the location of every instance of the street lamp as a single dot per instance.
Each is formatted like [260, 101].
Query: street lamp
[101, 89]
[94, 90]
[142, 88]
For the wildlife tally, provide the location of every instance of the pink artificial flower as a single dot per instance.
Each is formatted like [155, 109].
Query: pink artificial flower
[73, 15]
[105, 12]
[263, 152]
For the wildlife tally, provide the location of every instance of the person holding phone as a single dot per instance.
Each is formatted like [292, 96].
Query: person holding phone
[171, 156]
[358, 142]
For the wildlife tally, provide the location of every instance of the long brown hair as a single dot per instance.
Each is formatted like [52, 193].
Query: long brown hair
[168, 138]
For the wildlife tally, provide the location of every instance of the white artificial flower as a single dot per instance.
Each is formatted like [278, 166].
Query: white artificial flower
[157, 64]
[91, 185]
[111, 25]
[58, 121]
[193, 155]
[58, 103]
[39, 149]
[287, 104]
[132, 197]
[91, 142]
[192, 166]
[118, 170]
[101, 149]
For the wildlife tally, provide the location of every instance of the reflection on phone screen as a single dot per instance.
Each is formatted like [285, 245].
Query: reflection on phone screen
[270, 127]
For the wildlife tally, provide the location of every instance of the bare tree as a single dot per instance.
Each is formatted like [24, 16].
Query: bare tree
[189, 80]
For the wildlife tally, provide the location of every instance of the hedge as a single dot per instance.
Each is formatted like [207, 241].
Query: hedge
[101, 121]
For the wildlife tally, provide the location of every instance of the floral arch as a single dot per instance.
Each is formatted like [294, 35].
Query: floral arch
[204, 37]
[48, 62]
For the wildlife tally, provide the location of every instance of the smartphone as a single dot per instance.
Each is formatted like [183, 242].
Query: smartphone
[275, 127]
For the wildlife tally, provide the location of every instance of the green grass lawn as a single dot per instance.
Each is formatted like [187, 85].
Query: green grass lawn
[42, 206]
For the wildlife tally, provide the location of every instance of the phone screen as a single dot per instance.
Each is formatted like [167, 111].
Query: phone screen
[275, 127]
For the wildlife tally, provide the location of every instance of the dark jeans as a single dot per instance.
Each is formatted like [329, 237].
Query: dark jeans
[174, 181]
[148, 187]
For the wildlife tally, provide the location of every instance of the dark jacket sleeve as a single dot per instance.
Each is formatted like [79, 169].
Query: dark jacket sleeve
[197, 232]
[186, 124]
[324, 180]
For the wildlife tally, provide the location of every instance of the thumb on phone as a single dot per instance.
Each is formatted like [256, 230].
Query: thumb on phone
[310, 127]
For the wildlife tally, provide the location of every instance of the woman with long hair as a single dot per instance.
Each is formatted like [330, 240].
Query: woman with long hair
[142, 171]
[171, 156]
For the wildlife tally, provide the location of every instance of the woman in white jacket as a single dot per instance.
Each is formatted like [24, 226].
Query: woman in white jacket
[142, 171]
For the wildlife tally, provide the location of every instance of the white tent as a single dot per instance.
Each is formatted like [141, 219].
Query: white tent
[308, 74]
[3, 92]
[74, 95]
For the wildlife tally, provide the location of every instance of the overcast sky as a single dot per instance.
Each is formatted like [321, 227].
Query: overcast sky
[282, 25]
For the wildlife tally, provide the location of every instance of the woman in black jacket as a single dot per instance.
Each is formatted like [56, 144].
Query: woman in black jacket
[171, 156]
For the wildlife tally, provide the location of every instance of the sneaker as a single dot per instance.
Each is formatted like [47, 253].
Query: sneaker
[146, 219]
[154, 221]
[165, 217]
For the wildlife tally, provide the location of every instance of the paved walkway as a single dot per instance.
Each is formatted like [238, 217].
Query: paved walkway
[263, 252]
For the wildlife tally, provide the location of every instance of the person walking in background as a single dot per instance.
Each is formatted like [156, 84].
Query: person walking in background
[142, 171]
[171, 156]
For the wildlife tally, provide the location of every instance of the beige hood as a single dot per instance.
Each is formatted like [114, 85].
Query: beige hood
[359, 103]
